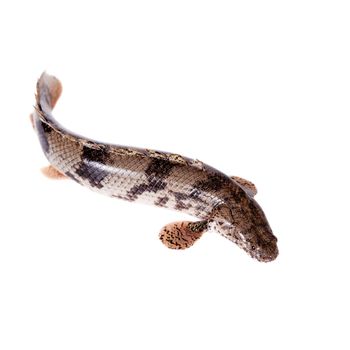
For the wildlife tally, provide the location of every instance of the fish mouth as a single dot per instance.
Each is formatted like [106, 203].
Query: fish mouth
[266, 254]
[262, 247]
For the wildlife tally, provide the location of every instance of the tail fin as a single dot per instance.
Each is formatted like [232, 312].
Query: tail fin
[48, 91]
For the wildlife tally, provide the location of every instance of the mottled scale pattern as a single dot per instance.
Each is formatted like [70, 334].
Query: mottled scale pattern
[163, 179]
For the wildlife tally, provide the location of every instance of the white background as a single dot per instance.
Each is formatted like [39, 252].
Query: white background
[258, 89]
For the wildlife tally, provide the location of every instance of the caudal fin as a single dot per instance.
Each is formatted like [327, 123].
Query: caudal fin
[48, 91]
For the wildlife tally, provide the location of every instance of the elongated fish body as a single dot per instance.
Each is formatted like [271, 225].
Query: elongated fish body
[163, 179]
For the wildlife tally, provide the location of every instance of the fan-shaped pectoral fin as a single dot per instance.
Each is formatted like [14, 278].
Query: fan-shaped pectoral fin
[247, 185]
[182, 234]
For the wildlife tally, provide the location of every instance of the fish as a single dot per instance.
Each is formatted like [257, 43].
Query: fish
[219, 202]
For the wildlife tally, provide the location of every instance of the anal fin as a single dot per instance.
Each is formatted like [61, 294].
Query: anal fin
[182, 234]
[52, 173]
[31, 118]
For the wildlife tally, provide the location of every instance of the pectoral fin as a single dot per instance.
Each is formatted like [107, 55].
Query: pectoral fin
[247, 185]
[52, 173]
[182, 234]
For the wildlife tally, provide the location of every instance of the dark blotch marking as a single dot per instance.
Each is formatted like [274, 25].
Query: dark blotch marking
[156, 172]
[179, 199]
[154, 185]
[137, 190]
[214, 182]
[96, 155]
[182, 206]
[180, 196]
[91, 166]
[71, 176]
[159, 168]
[161, 201]
[47, 128]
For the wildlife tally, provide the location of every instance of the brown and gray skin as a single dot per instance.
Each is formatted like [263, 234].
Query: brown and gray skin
[222, 203]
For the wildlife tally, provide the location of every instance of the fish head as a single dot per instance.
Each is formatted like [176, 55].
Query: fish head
[247, 226]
